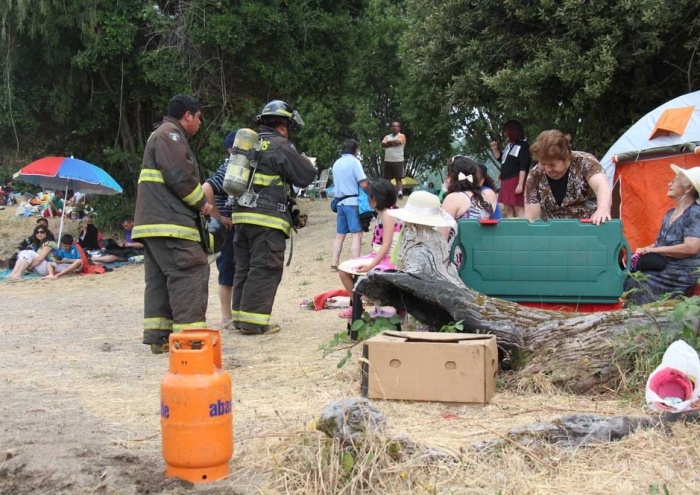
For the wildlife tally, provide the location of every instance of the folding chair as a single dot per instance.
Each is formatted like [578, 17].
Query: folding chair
[322, 183]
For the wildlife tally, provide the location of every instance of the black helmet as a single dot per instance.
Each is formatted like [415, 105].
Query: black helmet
[217, 234]
[276, 109]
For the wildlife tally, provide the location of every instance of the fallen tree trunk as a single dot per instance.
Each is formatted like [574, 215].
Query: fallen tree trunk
[573, 431]
[583, 429]
[577, 351]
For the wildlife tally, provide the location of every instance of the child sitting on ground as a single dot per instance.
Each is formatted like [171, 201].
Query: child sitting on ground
[67, 259]
[382, 197]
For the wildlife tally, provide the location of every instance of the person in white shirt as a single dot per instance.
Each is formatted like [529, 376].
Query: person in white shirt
[394, 145]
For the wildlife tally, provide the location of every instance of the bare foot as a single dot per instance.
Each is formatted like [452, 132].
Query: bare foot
[10, 278]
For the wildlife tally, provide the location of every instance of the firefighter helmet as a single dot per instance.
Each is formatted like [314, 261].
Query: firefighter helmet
[277, 109]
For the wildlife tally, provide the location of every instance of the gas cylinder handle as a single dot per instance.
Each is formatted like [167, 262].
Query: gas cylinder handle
[215, 338]
[197, 342]
[192, 353]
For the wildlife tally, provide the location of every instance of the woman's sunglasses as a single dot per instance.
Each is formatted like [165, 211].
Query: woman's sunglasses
[41, 232]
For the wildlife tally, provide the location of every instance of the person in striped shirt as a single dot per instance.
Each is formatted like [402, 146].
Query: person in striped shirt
[215, 193]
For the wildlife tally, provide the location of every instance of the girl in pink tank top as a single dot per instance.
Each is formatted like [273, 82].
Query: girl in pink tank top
[382, 197]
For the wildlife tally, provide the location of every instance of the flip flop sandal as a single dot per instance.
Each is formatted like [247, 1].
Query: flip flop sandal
[345, 313]
[382, 312]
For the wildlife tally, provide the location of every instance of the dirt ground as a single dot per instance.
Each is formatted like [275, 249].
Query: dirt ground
[79, 396]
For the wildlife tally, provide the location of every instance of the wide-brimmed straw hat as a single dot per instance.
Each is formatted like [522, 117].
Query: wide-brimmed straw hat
[422, 208]
[692, 174]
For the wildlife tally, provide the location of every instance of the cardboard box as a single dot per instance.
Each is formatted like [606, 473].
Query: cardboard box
[430, 366]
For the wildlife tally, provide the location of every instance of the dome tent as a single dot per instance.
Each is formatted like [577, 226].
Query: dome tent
[638, 164]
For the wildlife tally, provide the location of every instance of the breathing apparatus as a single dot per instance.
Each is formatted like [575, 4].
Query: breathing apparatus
[243, 161]
[241, 166]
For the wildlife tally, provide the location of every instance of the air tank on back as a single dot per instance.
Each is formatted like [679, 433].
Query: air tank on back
[238, 171]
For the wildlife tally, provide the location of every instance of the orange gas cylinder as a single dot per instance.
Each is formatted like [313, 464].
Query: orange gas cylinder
[195, 410]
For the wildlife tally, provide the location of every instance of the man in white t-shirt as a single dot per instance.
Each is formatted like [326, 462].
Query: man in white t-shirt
[394, 144]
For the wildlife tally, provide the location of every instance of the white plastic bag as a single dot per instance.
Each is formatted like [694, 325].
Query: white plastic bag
[674, 384]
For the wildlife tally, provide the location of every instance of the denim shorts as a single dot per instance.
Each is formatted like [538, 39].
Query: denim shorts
[225, 262]
[348, 221]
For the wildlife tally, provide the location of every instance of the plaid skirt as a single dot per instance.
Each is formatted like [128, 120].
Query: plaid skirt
[507, 194]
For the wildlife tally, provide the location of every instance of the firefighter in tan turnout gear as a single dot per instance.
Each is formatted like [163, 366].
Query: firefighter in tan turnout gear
[263, 221]
[168, 204]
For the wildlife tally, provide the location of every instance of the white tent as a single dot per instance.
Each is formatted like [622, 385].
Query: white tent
[641, 139]
[638, 164]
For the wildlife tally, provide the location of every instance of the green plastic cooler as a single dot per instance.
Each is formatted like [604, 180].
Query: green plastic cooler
[560, 261]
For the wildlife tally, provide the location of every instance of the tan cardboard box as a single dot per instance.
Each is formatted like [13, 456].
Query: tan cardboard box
[430, 366]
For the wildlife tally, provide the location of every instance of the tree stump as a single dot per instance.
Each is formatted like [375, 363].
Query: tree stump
[576, 351]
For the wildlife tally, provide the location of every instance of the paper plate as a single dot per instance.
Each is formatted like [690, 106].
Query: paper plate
[350, 266]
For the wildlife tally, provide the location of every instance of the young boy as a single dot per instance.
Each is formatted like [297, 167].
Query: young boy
[68, 259]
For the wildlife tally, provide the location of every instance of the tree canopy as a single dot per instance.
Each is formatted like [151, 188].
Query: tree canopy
[92, 78]
[588, 68]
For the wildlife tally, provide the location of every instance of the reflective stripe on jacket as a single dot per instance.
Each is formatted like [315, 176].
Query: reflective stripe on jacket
[279, 166]
[169, 193]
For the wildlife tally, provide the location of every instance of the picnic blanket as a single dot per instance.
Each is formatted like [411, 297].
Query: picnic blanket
[32, 276]
[28, 276]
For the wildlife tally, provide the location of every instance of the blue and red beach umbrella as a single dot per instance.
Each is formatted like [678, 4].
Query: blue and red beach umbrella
[61, 172]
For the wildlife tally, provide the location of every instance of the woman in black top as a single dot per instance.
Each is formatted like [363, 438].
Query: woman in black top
[89, 238]
[515, 163]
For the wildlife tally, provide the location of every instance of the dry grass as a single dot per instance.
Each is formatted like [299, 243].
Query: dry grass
[78, 353]
[646, 462]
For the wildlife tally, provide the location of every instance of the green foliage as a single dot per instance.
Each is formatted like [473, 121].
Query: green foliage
[518, 359]
[334, 345]
[6, 173]
[658, 490]
[453, 327]
[641, 349]
[108, 211]
[588, 68]
[365, 327]
[91, 78]
[347, 461]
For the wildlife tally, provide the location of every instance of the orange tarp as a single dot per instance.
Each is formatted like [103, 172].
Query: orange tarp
[672, 120]
[643, 195]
